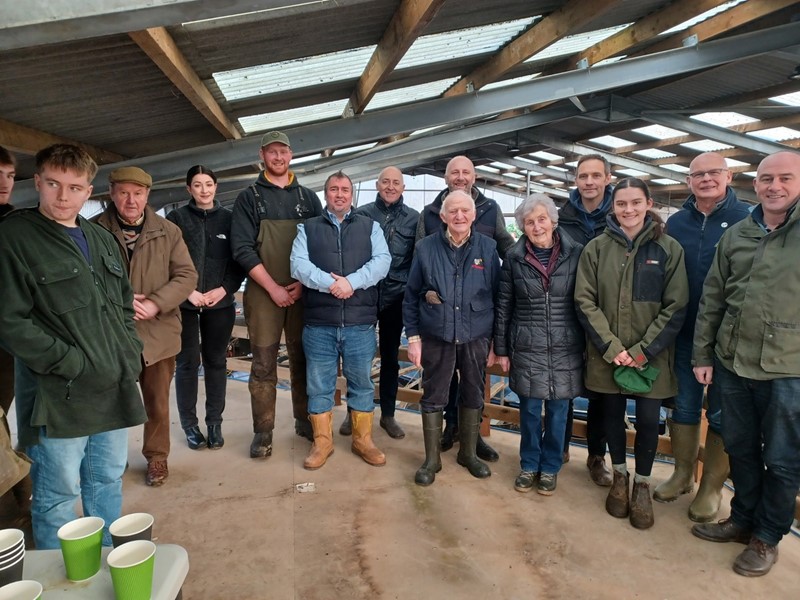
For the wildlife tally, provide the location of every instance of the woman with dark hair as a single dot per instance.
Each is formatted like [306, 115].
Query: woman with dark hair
[209, 312]
[538, 339]
[631, 294]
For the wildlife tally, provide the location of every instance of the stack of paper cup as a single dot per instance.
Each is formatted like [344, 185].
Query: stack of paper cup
[12, 555]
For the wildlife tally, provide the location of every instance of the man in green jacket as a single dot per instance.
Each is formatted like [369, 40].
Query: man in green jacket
[747, 345]
[68, 317]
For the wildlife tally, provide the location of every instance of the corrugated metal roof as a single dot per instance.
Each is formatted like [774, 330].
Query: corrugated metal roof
[284, 118]
[410, 94]
[724, 119]
[776, 134]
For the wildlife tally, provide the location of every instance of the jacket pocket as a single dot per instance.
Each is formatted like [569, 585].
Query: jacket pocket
[58, 284]
[727, 334]
[648, 284]
[780, 348]
[113, 279]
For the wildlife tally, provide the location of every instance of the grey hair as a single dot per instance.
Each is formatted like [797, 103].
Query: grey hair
[529, 205]
[457, 193]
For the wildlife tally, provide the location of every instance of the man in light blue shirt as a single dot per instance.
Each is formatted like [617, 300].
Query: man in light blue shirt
[340, 270]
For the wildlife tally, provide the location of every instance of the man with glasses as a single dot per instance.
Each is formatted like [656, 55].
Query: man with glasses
[710, 209]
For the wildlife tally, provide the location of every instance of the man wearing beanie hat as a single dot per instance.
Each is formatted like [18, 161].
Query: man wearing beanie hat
[265, 219]
[162, 276]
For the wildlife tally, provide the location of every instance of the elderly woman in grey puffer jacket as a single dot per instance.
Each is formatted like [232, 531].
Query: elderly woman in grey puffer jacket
[538, 338]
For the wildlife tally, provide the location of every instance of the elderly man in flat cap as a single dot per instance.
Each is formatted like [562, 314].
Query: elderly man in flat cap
[162, 276]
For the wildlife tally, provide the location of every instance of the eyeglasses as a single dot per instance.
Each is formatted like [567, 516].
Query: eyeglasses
[710, 173]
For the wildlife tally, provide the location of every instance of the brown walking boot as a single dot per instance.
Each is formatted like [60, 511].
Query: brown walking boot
[618, 502]
[641, 508]
[322, 424]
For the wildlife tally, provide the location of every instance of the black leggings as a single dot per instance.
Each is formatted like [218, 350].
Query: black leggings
[647, 415]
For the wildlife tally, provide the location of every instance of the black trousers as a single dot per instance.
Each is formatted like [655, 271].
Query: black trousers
[390, 327]
[439, 361]
[213, 327]
[595, 425]
[648, 411]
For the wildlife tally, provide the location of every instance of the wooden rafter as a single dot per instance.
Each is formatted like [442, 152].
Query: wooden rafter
[158, 44]
[26, 140]
[558, 24]
[721, 23]
[405, 27]
[644, 29]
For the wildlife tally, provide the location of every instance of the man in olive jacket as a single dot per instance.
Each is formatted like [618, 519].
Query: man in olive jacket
[67, 315]
[747, 345]
[162, 276]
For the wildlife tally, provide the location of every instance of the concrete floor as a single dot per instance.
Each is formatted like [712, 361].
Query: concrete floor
[370, 533]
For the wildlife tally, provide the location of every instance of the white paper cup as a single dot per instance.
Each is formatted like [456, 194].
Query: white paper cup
[136, 526]
[26, 589]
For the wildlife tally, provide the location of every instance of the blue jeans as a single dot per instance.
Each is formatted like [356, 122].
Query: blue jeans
[689, 400]
[323, 346]
[64, 469]
[761, 432]
[537, 452]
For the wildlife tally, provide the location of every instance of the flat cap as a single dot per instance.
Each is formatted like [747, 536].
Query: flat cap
[275, 136]
[130, 175]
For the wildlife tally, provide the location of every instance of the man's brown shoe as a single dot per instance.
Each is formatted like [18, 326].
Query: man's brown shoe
[598, 471]
[724, 531]
[157, 473]
[757, 559]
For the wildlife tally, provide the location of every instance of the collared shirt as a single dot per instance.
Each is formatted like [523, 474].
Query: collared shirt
[315, 278]
[453, 242]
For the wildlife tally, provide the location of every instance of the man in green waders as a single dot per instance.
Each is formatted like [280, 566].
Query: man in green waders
[265, 219]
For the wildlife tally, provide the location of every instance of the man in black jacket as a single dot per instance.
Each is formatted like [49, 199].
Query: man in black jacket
[583, 218]
[489, 221]
[399, 223]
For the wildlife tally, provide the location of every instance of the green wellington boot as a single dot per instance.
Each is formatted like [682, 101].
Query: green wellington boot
[716, 469]
[432, 433]
[469, 422]
[685, 444]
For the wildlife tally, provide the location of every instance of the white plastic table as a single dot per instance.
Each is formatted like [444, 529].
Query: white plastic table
[47, 567]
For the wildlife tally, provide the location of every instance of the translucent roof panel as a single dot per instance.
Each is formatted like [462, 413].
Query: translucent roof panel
[706, 146]
[446, 46]
[792, 99]
[573, 44]
[732, 162]
[551, 181]
[776, 134]
[654, 153]
[410, 94]
[703, 16]
[283, 118]
[631, 172]
[662, 181]
[546, 155]
[611, 141]
[487, 169]
[292, 74]
[724, 119]
[676, 167]
[659, 132]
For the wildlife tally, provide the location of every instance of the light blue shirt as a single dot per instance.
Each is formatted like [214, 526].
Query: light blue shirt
[315, 278]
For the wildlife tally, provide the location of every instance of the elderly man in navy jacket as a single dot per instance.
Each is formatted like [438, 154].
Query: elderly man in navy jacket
[448, 311]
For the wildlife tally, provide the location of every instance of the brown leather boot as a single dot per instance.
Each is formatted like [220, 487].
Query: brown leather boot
[323, 440]
[641, 506]
[618, 502]
[363, 445]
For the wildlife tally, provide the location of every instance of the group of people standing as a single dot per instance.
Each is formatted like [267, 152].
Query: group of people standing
[599, 298]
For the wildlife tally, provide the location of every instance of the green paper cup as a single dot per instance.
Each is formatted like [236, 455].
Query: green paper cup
[21, 590]
[81, 543]
[131, 567]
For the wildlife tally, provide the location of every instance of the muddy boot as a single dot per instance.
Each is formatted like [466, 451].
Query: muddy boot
[363, 445]
[706, 503]
[641, 505]
[261, 446]
[469, 422]
[432, 433]
[322, 424]
[618, 501]
[685, 444]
